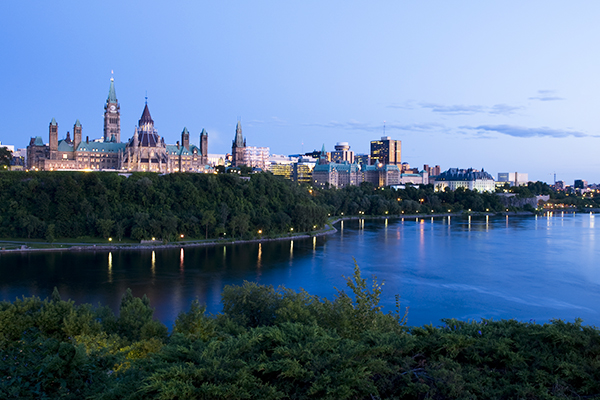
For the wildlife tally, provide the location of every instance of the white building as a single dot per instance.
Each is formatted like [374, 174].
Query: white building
[471, 179]
[513, 178]
[256, 157]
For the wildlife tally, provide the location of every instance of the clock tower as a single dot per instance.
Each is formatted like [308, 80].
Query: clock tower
[112, 116]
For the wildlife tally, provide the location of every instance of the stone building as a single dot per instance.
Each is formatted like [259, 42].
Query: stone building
[471, 179]
[237, 147]
[145, 151]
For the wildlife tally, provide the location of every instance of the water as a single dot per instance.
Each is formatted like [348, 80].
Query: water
[528, 268]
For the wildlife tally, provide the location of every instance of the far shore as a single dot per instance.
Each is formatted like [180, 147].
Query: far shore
[158, 244]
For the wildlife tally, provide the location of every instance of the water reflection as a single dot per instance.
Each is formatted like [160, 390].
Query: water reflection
[153, 268]
[447, 273]
[259, 261]
[110, 267]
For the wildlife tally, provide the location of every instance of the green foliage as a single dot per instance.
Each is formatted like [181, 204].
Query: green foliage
[52, 205]
[282, 344]
[5, 158]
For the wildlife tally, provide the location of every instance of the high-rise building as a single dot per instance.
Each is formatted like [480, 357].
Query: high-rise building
[386, 151]
[342, 153]
[432, 171]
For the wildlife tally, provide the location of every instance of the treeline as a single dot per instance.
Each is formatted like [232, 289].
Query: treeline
[145, 205]
[280, 344]
[424, 200]
[51, 205]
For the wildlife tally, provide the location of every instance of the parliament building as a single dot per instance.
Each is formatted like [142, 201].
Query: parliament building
[145, 151]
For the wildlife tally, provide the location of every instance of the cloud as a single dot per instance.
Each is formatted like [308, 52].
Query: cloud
[459, 109]
[278, 121]
[503, 109]
[453, 109]
[370, 127]
[546, 95]
[522, 132]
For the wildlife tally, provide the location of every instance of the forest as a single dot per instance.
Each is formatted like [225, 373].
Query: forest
[276, 343]
[145, 205]
[53, 205]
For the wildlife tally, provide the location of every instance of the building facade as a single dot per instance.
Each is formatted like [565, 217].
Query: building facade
[342, 153]
[471, 179]
[237, 147]
[386, 151]
[145, 151]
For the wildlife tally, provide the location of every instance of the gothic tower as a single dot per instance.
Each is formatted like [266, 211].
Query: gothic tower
[53, 128]
[185, 138]
[238, 147]
[204, 146]
[112, 115]
[76, 135]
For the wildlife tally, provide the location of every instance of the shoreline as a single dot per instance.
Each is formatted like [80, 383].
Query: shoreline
[220, 242]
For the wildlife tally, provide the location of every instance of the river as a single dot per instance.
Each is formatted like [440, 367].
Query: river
[527, 268]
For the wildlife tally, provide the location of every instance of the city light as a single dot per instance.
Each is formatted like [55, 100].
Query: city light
[110, 239]
[260, 231]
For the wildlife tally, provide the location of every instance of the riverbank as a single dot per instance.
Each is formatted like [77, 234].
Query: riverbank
[24, 246]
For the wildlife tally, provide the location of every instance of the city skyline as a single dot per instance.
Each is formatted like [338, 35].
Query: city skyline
[505, 87]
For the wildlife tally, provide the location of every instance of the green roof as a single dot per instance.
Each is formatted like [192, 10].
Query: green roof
[64, 146]
[101, 147]
[203, 133]
[53, 122]
[112, 96]
[181, 151]
[77, 123]
[39, 141]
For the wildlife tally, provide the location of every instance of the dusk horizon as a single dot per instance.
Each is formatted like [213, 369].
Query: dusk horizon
[500, 87]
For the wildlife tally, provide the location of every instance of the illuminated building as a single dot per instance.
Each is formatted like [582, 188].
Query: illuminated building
[342, 153]
[466, 178]
[145, 151]
[386, 151]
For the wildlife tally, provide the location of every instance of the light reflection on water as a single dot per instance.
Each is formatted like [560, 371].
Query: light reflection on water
[490, 267]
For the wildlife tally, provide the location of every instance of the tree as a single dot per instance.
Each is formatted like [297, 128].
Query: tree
[5, 158]
[208, 219]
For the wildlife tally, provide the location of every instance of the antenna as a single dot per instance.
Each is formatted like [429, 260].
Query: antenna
[383, 128]
[146, 97]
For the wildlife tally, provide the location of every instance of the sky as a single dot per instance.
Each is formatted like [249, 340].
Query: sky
[503, 86]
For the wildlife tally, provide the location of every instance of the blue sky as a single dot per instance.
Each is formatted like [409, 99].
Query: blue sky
[505, 86]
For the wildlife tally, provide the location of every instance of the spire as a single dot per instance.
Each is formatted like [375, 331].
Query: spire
[203, 133]
[239, 139]
[112, 96]
[323, 156]
[53, 122]
[77, 123]
[146, 118]
[185, 130]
